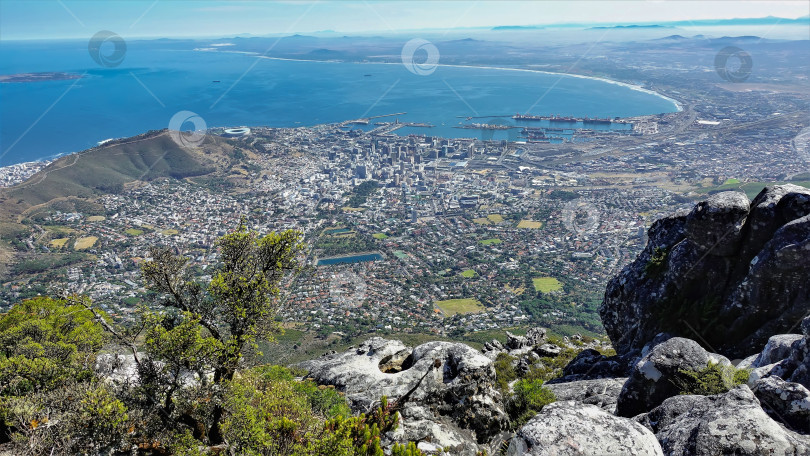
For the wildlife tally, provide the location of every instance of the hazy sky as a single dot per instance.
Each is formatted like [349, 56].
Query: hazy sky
[32, 19]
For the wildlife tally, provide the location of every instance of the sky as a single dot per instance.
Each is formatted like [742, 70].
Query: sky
[48, 19]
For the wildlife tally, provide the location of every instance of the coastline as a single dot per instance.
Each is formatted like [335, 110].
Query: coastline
[677, 105]
[638, 88]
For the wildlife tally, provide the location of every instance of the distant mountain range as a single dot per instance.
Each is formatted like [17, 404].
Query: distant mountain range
[769, 20]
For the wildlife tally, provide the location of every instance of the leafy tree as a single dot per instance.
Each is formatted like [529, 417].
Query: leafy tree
[50, 399]
[201, 334]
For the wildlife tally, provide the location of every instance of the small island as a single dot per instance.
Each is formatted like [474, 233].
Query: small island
[36, 77]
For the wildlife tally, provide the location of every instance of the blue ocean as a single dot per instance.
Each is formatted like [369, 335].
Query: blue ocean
[159, 78]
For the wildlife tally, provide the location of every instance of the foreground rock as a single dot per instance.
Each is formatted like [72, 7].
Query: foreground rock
[732, 274]
[571, 428]
[786, 356]
[602, 393]
[730, 423]
[654, 377]
[445, 390]
[787, 402]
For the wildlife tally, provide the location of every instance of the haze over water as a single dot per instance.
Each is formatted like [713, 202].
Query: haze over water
[159, 78]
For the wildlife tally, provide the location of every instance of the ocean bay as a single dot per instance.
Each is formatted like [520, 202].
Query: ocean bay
[156, 80]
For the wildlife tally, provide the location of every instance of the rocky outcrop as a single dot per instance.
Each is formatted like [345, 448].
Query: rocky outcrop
[603, 392]
[590, 364]
[730, 423]
[786, 402]
[654, 377]
[520, 346]
[786, 356]
[444, 391]
[778, 348]
[731, 273]
[571, 428]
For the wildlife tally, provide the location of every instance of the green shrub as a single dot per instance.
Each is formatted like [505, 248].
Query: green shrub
[528, 398]
[713, 379]
[45, 343]
[657, 264]
[323, 400]
[504, 372]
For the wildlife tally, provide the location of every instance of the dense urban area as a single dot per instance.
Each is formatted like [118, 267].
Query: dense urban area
[417, 233]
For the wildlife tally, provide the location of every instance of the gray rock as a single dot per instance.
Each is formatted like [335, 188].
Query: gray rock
[549, 350]
[449, 387]
[571, 428]
[535, 336]
[747, 363]
[514, 342]
[734, 276]
[715, 225]
[778, 348]
[772, 208]
[730, 423]
[786, 402]
[590, 364]
[776, 289]
[654, 377]
[795, 368]
[602, 393]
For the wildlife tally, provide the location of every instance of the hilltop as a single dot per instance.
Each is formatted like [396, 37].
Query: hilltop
[73, 184]
[107, 168]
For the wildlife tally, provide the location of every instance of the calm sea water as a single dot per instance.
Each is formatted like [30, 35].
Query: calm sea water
[159, 78]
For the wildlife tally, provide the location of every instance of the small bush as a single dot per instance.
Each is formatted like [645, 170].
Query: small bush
[504, 372]
[323, 400]
[714, 379]
[529, 397]
[657, 264]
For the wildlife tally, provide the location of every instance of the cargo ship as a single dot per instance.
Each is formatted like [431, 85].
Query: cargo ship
[480, 126]
[552, 118]
[527, 117]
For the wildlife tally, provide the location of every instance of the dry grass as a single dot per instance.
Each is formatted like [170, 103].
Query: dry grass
[84, 242]
[530, 224]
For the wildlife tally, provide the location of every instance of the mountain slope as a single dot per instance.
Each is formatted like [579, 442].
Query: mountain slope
[107, 168]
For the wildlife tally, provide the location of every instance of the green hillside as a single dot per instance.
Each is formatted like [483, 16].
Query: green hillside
[106, 169]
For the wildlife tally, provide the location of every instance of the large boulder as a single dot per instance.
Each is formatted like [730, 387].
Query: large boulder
[788, 357]
[778, 348]
[730, 423]
[732, 274]
[715, 225]
[571, 428]
[655, 377]
[590, 364]
[602, 392]
[444, 391]
[786, 402]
